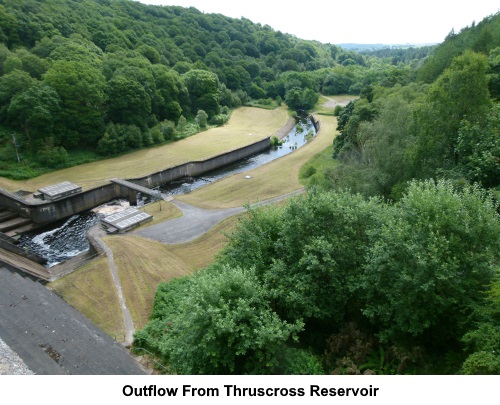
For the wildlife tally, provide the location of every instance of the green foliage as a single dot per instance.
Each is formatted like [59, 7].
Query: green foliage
[119, 138]
[481, 37]
[201, 119]
[203, 90]
[438, 247]
[130, 102]
[483, 341]
[34, 111]
[298, 99]
[219, 119]
[482, 363]
[54, 157]
[478, 149]
[222, 324]
[306, 252]
[81, 88]
[461, 92]
[275, 141]
[338, 110]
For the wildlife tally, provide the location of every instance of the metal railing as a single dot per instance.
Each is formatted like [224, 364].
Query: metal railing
[152, 357]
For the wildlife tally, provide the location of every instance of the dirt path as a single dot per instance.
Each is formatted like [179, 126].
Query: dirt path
[195, 221]
[127, 317]
[340, 100]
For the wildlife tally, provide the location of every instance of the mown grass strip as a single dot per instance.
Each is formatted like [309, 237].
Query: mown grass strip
[246, 126]
[91, 291]
[271, 180]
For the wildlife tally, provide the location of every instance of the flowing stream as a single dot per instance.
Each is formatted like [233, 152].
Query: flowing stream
[65, 239]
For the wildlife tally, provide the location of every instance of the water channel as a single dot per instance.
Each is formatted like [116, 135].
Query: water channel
[63, 240]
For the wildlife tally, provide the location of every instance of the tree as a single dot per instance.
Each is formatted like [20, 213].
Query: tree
[307, 255]
[81, 89]
[460, 92]
[203, 88]
[130, 104]
[429, 263]
[221, 323]
[13, 83]
[201, 119]
[299, 99]
[478, 150]
[35, 110]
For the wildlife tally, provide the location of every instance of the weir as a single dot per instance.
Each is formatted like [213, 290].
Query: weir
[135, 188]
[46, 212]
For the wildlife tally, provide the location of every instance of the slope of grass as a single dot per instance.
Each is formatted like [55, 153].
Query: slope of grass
[142, 264]
[271, 180]
[247, 125]
[91, 291]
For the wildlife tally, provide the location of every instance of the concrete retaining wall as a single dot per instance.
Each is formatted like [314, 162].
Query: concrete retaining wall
[21, 252]
[196, 168]
[45, 212]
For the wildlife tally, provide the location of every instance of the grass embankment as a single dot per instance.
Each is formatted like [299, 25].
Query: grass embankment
[326, 104]
[161, 211]
[271, 180]
[142, 264]
[235, 134]
[91, 291]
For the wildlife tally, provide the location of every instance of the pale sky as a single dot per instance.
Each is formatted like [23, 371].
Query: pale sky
[356, 21]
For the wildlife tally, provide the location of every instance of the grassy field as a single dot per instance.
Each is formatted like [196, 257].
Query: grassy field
[326, 104]
[247, 125]
[161, 211]
[142, 264]
[91, 291]
[271, 180]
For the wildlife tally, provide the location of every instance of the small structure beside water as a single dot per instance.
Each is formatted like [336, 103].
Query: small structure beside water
[125, 220]
[58, 191]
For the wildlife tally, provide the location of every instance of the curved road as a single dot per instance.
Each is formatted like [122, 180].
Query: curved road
[195, 221]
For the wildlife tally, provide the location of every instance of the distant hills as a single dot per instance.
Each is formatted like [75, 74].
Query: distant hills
[375, 47]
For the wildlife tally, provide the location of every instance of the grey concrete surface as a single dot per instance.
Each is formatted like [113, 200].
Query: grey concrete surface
[53, 338]
[195, 221]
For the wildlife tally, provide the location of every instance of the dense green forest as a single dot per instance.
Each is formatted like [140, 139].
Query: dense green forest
[390, 262]
[79, 79]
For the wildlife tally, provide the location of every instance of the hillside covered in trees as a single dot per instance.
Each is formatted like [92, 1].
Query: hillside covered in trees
[388, 265]
[105, 76]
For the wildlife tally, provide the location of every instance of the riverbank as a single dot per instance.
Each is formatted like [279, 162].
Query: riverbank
[246, 126]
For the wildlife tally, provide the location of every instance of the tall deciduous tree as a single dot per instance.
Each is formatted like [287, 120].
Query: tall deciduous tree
[429, 264]
[460, 92]
[35, 111]
[129, 102]
[203, 90]
[81, 88]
